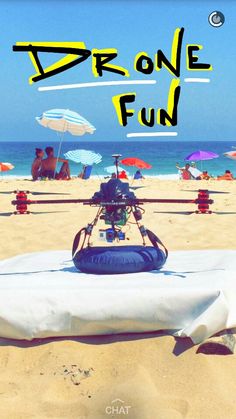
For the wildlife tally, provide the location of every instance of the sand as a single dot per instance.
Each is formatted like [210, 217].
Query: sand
[153, 375]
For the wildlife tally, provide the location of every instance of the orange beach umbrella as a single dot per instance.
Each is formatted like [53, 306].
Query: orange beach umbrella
[4, 167]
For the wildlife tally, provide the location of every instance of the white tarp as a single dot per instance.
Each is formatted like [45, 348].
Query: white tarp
[42, 294]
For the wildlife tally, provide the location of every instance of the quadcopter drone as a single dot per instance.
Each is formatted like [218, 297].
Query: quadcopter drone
[117, 204]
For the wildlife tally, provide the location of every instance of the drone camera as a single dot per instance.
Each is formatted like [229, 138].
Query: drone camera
[109, 235]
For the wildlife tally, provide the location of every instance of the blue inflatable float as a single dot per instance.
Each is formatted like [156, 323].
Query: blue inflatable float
[119, 259]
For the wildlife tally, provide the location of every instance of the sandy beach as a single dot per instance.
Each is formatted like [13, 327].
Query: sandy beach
[155, 375]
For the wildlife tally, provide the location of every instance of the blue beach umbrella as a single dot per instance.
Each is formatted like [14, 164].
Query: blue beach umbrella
[86, 157]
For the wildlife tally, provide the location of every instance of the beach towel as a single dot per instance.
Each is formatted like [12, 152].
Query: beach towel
[43, 294]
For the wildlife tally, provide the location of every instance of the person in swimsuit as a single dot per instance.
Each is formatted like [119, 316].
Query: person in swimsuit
[37, 163]
[185, 172]
[227, 176]
[122, 175]
[48, 166]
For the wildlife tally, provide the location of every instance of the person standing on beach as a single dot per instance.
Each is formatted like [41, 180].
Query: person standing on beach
[48, 168]
[36, 165]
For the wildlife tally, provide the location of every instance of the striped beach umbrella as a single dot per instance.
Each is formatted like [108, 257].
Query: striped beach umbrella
[4, 167]
[64, 120]
[86, 157]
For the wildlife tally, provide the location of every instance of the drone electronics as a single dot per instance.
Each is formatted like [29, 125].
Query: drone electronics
[117, 204]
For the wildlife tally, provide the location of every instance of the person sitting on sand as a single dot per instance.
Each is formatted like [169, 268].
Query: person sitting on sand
[205, 175]
[185, 173]
[138, 175]
[48, 166]
[227, 176]
[36, 165]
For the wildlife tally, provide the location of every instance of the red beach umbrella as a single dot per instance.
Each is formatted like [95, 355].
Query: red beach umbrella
[230, 155]
[134, 161]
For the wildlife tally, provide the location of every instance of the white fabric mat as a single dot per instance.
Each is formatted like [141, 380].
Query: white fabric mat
[42, 294]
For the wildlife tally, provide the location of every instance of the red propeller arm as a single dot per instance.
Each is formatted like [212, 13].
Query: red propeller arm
[21, 202]
[128, 202]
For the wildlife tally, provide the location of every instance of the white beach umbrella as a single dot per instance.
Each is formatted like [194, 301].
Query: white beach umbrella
[63, 120]
[112, 169]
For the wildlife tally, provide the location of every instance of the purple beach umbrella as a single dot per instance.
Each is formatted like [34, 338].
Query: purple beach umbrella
[201, 155]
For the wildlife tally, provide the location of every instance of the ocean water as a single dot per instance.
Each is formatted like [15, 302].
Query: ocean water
[162, 155]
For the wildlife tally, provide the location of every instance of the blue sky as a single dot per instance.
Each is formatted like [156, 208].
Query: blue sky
[206, 111]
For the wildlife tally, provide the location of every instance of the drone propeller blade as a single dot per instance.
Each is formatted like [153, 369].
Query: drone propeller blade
[33, 193]
[223, 213]
[8, 214]
[175, 212]
[209, 191]
[5, 214]
[46, 212]
[48, 193]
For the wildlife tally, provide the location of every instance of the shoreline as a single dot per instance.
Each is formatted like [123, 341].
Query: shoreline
[169, 176]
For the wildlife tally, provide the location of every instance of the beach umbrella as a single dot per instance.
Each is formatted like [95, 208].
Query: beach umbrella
[4, 167]
[112, 169]
[230, 155]
[64, 120]
[134, 161]
[86, 157]
[201, 155]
